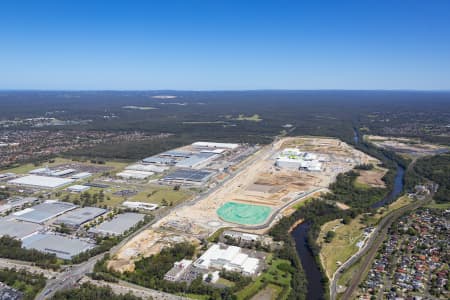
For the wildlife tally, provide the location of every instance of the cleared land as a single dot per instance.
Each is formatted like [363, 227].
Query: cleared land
[407, 146]
[372, 178]
[242, 117]
[256, 182]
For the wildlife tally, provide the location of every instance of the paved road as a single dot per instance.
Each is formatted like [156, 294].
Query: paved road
[73, 274]
[278, 211]
[124, 287]
[370, 248]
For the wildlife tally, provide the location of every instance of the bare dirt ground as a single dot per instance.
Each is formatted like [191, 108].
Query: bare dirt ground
[147, 243]
[409, 146]
[372, 177]
[342, 206]
[257, 182]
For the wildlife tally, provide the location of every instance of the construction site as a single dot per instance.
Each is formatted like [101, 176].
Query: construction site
[253, 198]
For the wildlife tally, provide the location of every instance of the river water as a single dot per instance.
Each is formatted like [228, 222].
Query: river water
[312, 271]
[300, 234]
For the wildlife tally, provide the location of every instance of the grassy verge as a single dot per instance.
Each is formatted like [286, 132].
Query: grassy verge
[343, 245]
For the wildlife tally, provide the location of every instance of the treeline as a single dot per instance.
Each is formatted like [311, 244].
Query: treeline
[344, 190]
[149, 272]
[364, 167]
[315, 213]
[27, 283]
[437, 169]
[90, 291]
[12, 249]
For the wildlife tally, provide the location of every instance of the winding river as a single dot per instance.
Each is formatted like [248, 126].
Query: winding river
[300, 235]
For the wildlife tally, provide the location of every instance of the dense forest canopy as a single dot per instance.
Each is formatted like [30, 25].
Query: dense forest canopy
[437, 169]
[227, 116]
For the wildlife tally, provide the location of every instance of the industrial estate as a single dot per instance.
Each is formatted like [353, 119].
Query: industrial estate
[222, 199]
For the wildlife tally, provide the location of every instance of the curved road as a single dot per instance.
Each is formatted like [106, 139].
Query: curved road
[72, 274]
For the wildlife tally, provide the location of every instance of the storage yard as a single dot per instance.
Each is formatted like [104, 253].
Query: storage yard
[261, 184]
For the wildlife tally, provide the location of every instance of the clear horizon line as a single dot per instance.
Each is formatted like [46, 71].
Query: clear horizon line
[223, 90]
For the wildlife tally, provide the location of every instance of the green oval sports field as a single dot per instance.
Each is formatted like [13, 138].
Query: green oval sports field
[244, 214]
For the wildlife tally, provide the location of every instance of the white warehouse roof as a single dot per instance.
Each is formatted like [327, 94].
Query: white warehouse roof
[228, 257]
[215, 145]
[78, 188]
[135, 174]
[146, 168]
[41, 181]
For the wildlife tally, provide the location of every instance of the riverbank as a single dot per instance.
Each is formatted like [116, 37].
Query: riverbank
[296, 223]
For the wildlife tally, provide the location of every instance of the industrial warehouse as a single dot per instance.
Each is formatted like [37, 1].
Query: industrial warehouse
[35, 226]
[118, 225]
[45, 182]
[193, 164]
[187, 176]
[293, 158]
[44, 211]
[231, 258]
[17, 229]
[79, 216]
[62, 246]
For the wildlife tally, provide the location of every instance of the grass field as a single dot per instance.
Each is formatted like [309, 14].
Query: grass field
[271, 291]
[303, 202]
[273, 275]
[148, 194]
[361, 185]
[439, 205]
[25, 168]
[343, 245]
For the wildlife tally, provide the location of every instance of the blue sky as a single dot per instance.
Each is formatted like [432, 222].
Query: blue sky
[212, 44]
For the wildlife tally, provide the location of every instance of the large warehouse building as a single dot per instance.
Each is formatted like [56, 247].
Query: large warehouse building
[118, 225]
[44, 211]
[45, 182]
[230, 258]
[62, 246]
[79, 216]
[17, 229]
[292, 158]
[215, 145]
[188, 176]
